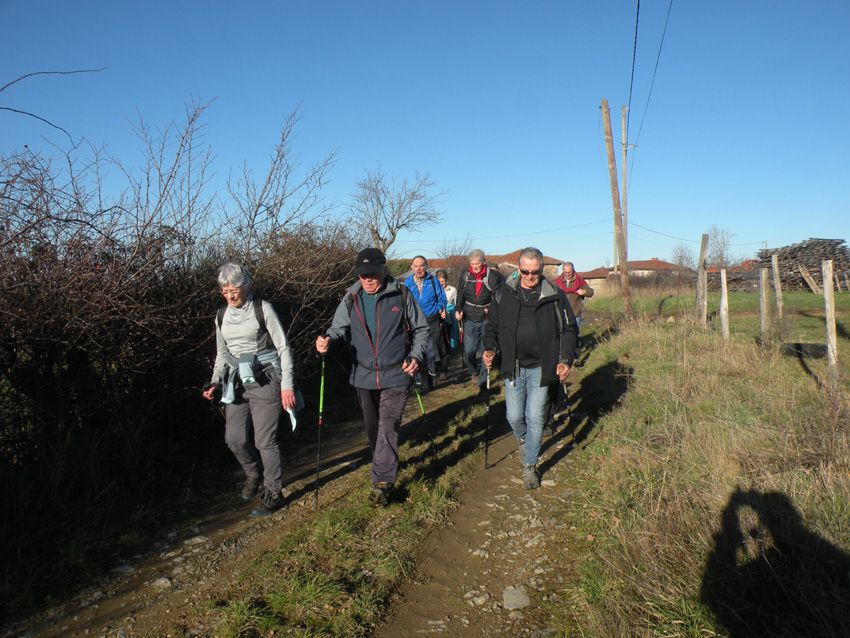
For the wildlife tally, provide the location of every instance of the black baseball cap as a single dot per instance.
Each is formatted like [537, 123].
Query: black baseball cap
[370, 261]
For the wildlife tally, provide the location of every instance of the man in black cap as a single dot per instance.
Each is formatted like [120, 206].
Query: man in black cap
[388, 331]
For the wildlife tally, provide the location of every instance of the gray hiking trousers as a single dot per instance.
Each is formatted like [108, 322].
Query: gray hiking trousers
[382, 411]
[250, 431]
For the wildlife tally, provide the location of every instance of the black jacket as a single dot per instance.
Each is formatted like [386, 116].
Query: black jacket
[558, 338]
[471, 305]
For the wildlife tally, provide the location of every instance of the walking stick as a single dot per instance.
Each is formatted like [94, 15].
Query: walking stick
[460, 329]
[319, 430]
[417, 388]
[487, 424]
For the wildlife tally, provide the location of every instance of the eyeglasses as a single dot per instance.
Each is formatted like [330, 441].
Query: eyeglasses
[228, 292]
[529, 273]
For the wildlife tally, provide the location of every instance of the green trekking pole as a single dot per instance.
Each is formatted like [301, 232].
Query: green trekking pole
[417, 387]
[319, 430]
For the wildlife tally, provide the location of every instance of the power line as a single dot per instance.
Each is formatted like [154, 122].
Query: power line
[691, 241]
[634, 58]
[654, 71]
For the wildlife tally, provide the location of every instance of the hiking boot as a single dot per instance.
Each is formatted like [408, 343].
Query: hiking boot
[530, 480]
[379, 495]
[549, 429]
[270, 502]
[249, 488]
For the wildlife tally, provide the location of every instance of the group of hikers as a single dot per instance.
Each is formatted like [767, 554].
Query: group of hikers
[525, 326]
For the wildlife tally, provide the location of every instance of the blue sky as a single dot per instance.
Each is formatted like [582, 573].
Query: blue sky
[747, 127]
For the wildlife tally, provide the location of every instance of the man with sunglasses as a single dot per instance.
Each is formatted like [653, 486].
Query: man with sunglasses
[388, 331]
[531, 328]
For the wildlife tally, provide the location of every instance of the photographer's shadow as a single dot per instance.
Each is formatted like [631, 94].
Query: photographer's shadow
[768, 575]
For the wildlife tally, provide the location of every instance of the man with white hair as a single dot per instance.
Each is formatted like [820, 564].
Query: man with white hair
[532, 329]
[475, 291]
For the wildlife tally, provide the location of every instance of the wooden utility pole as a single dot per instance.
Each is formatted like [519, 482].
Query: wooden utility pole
[724, 306]
[777, 286]
[829, 307]
[809, 279]
[764, 285]
[615, 198]
[625, 192]
[702, 283]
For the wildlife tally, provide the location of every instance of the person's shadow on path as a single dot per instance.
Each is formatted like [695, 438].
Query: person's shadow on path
[768, 575]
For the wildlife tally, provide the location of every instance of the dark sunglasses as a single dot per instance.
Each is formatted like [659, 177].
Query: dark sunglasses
[529, 272]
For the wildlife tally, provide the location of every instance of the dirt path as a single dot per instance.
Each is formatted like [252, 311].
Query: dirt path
[499, 566]
[492, 570]
[174, 574]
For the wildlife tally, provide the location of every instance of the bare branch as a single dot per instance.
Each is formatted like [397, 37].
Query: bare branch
[37, 73]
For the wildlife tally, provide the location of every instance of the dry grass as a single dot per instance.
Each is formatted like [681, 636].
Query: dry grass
[719, 500]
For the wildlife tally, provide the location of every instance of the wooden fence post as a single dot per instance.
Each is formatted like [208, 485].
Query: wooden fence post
[724, 306]
[809, 279]
[777, 286]
[837, 283]
[702, 283]
[829, 307]
[763, 309]
[846, 281]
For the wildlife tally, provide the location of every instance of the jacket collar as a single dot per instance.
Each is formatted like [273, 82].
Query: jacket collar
[546, 288]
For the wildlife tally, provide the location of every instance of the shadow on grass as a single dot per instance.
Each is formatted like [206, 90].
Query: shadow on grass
[600, 392]
[588, 343]
[840, 328]
[768, 575]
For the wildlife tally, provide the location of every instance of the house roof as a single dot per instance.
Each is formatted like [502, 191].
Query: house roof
[748, 265]
[653, 264]
[597, 273]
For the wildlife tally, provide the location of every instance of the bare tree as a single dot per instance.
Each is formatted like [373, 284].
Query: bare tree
[683, 256]
[719, 246]
[455, 252]
[384, 208]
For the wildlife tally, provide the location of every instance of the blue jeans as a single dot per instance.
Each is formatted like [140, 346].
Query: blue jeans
[473, 343]
[526, 402]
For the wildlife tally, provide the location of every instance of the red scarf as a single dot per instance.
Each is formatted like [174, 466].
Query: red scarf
[578, 282]
[479, 278]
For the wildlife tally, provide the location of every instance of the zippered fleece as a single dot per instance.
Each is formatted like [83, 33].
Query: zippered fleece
[380, 356]
[557, 339]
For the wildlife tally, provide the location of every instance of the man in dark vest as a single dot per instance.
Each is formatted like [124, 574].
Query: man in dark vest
[388, 331]
[474, 293]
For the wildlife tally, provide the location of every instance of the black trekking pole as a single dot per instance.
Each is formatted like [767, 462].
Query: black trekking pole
[487, 423]
[319, 430]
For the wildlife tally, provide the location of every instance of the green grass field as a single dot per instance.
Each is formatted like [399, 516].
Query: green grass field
[716, 499]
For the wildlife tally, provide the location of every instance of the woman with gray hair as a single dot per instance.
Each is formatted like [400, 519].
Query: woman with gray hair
[253, 367]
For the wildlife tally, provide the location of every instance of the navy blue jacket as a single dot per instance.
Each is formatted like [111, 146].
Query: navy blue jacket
[380, 356]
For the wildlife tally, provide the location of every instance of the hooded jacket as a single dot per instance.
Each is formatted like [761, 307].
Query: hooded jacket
[558, 338]
[379, 356]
